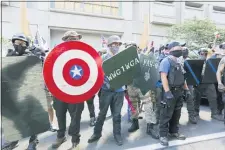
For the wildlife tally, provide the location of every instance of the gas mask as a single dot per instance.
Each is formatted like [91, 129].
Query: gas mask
[20, 49]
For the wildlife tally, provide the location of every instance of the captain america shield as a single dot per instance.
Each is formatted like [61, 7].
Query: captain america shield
[73, 72]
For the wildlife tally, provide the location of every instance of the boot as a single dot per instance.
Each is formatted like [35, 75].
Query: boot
[164, 141]
[10, 146]
[152, 129]
[32, 145]
[94, 138]
[74, 146]
[118, 139]
[58, 142]
[192, 119]
[134, 126]
[92, 121]
[217, 117]
[178, 136]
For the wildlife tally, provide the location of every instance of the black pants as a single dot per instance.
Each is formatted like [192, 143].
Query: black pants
[220, 105]
[170, 113]
[75, 111]
[114, 100]
[91, 107]
[223, 99]
[190, 103]
[33, 138]
[210, 91]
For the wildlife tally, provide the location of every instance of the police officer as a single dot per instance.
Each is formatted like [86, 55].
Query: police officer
[219, 74]
[209, 90]
[189, 100]
[172, 77]
[109, 97]
[21, 44]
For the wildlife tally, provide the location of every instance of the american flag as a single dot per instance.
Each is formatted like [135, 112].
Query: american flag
[103, 41]
[40, 41]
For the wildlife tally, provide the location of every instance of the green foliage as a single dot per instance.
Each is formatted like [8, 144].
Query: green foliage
[196, 33]
[4, 41]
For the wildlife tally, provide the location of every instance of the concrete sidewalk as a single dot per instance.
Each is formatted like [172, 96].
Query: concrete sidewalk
[206, 126]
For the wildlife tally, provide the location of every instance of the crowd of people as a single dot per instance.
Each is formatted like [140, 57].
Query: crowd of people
[162, 106]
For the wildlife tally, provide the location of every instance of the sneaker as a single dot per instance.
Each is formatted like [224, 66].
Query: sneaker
[32, 146]
[74, 146]
[58, 142]
[177, 136]
[164, 141]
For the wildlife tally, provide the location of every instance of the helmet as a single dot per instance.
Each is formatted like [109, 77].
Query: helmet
[20, 36]
[185, 52]
[131, 43]
[71, 33]
[114, 38]
[203, 51]
[222, 46]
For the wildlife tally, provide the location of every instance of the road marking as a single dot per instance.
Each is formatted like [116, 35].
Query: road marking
[180, 142]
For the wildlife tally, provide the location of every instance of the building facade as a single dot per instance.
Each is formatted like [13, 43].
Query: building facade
[93, 19]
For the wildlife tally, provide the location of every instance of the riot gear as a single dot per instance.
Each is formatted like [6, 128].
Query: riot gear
[21, 45]
[20, 36]
[176, 75]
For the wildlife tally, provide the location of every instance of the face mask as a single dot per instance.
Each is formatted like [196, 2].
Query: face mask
[176, 53]
[202, 57]
[114, 49]
[20, 49]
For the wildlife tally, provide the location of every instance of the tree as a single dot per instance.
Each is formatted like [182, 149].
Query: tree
[5, 45]
[196, 33]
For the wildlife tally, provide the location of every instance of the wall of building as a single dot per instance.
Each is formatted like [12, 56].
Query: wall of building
[126, 19]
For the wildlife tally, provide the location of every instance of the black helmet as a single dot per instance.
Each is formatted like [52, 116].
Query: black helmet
[20, 36]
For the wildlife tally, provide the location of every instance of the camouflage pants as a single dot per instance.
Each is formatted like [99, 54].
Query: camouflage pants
[151, 107]
[134, 95]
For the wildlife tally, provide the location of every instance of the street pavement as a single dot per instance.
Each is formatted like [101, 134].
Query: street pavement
[204, 135]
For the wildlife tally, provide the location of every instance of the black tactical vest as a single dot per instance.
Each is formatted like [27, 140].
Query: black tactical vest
[176, 74]
[223, 77]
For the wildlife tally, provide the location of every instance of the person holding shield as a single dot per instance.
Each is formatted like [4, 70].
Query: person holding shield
[20, 48]
[74, 36]
[75, 110]
[220, 79]
[109, 97]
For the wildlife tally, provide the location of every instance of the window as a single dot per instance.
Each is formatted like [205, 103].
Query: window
[192, 4]
[218, 8]
[32, 4]
[165, 1]
[106, 8]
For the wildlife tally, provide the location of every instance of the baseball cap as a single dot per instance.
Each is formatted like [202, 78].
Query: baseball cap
[175, 43]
